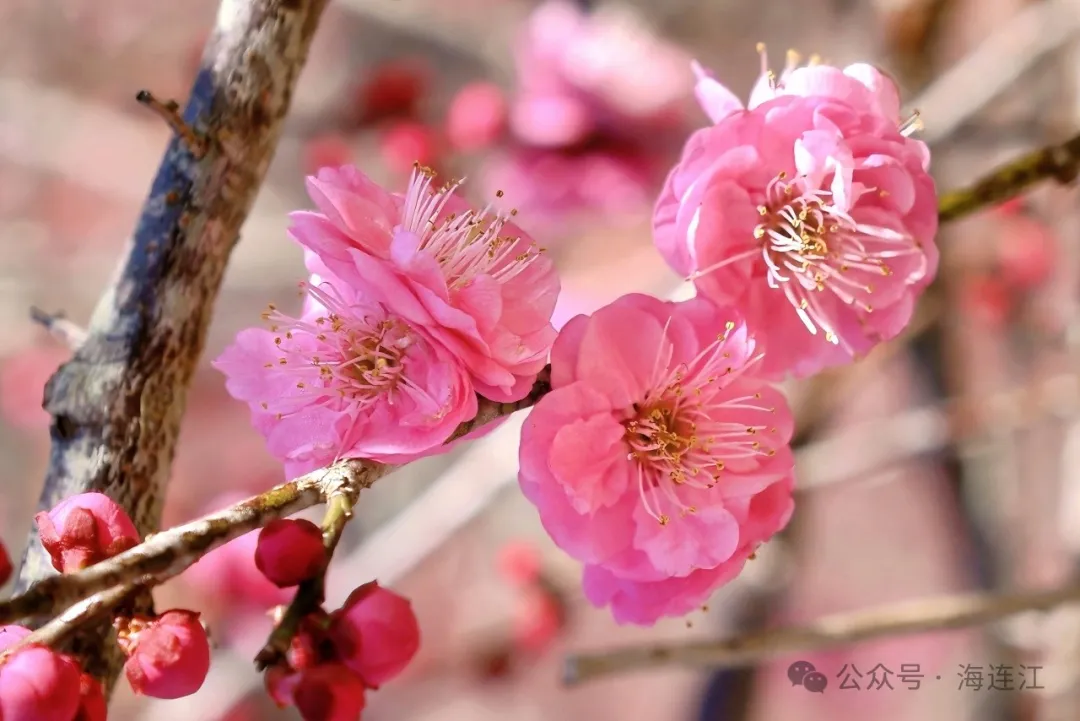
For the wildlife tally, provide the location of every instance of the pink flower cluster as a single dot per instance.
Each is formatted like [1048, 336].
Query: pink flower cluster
[809, 209]
[335, 659]
[416, 304]
[596, 105]
[581, 72]
[806, 220]
[168, 655]
[661, 457]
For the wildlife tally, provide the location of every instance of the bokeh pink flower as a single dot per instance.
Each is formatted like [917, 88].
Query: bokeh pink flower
[659, 459]
[580, 73]
[809, 210]
[476, 117]
[473, 280]
[615, 181]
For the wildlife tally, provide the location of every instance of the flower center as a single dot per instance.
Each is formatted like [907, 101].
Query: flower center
[810, 245]
[354, 355]
[465, 245]
[685, 431]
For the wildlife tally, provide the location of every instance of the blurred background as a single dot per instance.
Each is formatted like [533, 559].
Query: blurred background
[946, 461]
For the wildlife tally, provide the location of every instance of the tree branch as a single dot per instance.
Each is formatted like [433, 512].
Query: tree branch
[934, 614]
[56, 631]
[1059, 162]
[164, 555]
[117, 404]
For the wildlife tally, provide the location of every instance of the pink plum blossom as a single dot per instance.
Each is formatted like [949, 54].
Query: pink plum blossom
[472, 280]
[659, 459]
[861, 85]
[350, 378]
[579, 73]
[85, 529]
[809, 210]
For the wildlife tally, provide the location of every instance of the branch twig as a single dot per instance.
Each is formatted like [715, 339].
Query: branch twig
[57, 630]
[71, 334]
[1058, 162]
[311, 593]
[934, 614]
[169, 111]
[166, 554]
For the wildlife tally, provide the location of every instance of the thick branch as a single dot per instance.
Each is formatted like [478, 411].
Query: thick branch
[1059, 162]
[117, 404]
[935, 614]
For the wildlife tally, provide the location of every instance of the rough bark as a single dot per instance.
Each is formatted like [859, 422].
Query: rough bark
[117, 404]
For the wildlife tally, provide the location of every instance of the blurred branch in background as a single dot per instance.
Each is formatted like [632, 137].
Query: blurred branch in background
[995, 65]
[934, 614]
[1056, 162]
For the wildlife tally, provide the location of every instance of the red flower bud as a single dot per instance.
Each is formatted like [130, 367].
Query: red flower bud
[329, 693]
[168, 657]
[38, 684]
[392, 90]
[5, 565]
[290, 551]
[85, 529]
[92, 705]
[376, 633]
